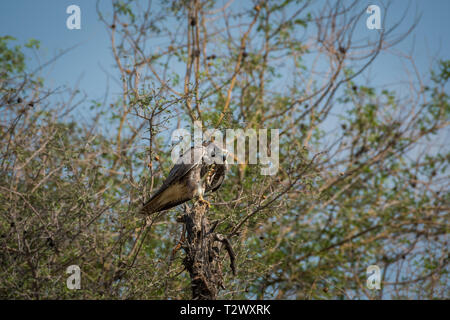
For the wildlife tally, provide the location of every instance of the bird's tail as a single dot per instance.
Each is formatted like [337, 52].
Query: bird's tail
[152, 206]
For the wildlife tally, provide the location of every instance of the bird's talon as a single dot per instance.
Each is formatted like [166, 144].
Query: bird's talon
[203, 201]
[206, 202]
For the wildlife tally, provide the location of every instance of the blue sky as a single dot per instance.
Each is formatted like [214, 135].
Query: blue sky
[45, 20]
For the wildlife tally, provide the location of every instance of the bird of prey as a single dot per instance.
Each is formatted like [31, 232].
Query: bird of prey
[200, 170]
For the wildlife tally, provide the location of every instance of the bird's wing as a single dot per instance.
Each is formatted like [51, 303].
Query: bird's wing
[184, 164]
[169, 197]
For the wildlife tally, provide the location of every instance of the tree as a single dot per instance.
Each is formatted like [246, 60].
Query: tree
[374, 190]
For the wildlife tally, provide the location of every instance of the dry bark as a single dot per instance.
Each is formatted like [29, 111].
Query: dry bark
[202, 247]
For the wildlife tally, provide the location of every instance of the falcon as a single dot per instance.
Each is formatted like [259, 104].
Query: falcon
[199, 171]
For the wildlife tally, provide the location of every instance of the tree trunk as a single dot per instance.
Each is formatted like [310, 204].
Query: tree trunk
[202, 246]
